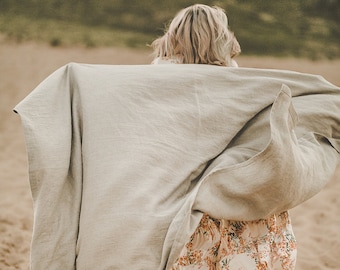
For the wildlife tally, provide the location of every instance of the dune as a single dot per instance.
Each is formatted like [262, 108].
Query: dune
[23, 66]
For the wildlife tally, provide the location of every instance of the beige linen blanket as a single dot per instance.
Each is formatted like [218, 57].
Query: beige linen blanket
[123, 160]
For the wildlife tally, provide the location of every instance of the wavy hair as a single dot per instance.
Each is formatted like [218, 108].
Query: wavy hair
[198, 34]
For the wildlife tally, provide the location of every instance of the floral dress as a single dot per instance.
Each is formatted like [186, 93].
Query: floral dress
[235, 245]
[220, 244]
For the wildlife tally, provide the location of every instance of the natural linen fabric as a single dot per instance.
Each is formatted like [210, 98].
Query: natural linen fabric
[123, 160]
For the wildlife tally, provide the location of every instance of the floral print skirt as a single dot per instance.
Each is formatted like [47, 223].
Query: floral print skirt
[234, 245]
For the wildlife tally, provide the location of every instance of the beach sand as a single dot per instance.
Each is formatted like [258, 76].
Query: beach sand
[23, 66]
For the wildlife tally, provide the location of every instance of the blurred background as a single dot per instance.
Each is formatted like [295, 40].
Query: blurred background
[302, 28]
[39, 36]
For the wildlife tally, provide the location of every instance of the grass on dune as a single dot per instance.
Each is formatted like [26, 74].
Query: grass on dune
[62, 33]
[314, 41]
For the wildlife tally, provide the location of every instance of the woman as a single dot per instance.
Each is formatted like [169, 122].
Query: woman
[200, 34]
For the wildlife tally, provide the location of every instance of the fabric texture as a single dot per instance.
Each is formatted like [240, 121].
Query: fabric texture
[219, 244]
[226, 244]
[123, 160]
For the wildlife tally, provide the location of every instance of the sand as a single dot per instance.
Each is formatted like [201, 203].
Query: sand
[22, 66]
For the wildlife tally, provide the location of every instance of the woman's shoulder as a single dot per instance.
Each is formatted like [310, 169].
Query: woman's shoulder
[166, 60]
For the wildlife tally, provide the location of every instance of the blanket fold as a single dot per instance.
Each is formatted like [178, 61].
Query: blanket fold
[123, 160]
[276, 175]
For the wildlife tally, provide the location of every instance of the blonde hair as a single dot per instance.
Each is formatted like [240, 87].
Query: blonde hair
[198, 34]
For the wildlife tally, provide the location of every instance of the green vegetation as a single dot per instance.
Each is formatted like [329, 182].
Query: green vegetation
[64, 33]
[303, 28]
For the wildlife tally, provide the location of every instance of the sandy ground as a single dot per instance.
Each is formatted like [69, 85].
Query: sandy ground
[23, 66]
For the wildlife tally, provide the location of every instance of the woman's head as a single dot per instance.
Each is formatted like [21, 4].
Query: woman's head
[199, 34]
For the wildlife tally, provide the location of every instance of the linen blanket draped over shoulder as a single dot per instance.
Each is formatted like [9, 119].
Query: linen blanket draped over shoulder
[123, 160]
